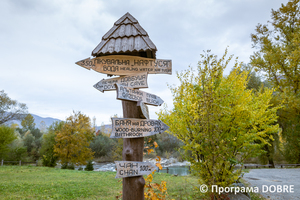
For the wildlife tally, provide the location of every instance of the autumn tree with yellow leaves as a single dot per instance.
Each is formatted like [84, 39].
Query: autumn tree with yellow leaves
[73, 140]
[219, 120]
[278, 57]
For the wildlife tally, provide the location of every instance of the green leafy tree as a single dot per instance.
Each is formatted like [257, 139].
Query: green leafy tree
[255, 84]
[28, 122]
[10, 109]
[218, 119]
[47, 150]
[17, 150]
[278, 56]
[73, 140]
[102, 145]
[7, 136]
[117, 149]
[32, 137]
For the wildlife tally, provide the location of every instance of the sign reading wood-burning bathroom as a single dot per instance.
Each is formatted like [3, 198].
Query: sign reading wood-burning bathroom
[130, 94]
[134, 128]
[132, 168]
[138, 80]
[126, 65]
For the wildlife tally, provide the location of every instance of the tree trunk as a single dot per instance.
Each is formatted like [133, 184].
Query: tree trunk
[133, 187]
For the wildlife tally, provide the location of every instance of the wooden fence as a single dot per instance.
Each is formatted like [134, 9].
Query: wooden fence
[248, 166]
[167, 168]
[20, 162]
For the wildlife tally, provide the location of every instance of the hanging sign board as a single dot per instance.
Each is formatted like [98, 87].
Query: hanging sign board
[126, 65]
[130, 94]
[134, 128]
[132, 168]
[143, 109]
[138, 80]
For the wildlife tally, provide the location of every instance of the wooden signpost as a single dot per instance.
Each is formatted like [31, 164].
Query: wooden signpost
[126, 65]
[130, 94]
[132, 168]
[134, 128]
[138, 80]
[133, 70]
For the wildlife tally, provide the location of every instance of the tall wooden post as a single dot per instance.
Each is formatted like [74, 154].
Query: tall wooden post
[133, 148]
[127, 51]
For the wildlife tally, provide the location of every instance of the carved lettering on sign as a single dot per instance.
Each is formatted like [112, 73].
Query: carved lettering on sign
[130, 94]
[132, 168]
[133, 128]
[126, 65]
[138, 80]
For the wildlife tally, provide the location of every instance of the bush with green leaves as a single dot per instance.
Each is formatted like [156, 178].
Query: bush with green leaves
[219, 119]
[89, 166]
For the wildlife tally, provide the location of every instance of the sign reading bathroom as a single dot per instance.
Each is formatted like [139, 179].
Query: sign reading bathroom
[134, 128]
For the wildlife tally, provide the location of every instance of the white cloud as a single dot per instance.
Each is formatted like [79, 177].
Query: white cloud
[42, 40]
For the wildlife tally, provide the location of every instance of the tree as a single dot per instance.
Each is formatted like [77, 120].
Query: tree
[10, 109]
[31, 136]
[255, 84]
[28, 122]
[17, 150]
[218, 119]
[7, 136]
[278, 56]
[73, 140]
[47, 150]
[102, 145]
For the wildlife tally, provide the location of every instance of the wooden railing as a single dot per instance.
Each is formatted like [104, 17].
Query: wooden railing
[167, 168]
[248, 166]
[20, 162]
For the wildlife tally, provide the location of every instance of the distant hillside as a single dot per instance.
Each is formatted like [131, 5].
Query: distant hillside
[37, 120]
[48, 120]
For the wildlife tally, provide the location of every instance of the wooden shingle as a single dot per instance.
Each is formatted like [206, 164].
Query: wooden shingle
[126, 37]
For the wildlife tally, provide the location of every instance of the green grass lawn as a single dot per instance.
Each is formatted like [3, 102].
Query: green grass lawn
[30, 182]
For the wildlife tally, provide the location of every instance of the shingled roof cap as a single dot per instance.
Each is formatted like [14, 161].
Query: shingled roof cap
[126, 37]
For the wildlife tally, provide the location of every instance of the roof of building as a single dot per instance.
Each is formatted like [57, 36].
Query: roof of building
[126, 37]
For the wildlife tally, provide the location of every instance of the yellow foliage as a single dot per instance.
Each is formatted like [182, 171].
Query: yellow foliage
[220, 121]
[73, 140]
[155, 191]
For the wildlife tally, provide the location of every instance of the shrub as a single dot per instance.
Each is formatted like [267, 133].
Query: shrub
[89, 166]
[68, 166]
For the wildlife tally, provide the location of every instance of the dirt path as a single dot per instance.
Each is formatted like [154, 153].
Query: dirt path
[276, 183]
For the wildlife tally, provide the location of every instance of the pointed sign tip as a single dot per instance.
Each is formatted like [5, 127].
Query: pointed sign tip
[84, 63]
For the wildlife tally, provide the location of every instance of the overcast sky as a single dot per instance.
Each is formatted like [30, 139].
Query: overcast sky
[42, 39]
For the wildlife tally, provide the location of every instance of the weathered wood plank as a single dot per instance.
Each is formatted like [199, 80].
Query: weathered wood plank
[130, 94]
[138, 80]
[126, 65]
[135, 128]
[144, 110]
[133, 168]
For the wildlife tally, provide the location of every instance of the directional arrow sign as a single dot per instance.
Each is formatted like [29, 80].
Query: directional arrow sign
[138, 80]
[144, 110]
[126, 65]
[130, 94]
[132, 168]
[134, 128]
